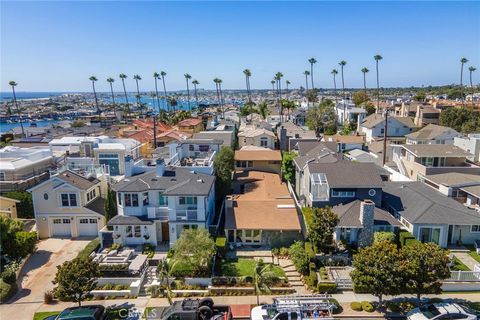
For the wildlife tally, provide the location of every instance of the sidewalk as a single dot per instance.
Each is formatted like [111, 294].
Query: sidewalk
[466, 259]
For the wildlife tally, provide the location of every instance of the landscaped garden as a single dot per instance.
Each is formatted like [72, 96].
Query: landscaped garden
[473, 253]
[245, 268]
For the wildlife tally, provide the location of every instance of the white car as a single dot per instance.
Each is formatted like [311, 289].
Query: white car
[441, 311]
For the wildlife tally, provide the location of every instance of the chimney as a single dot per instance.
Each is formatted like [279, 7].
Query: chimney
[160, 167]
[228, 202]
[128, 166]
[367, 212]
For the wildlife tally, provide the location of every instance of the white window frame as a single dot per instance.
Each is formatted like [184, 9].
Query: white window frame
[343, 194]
[77, 199]
[472, 227]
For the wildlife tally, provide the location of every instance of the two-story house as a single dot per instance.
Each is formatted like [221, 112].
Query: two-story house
[196, 154]
[259, 159]
[373, 126]
[69, 205]
[289, 134]
[154, 207]
[432, 134]
[191, 126]
[257, 137]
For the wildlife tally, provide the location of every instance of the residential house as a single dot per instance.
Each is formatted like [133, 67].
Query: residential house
[432, 134]
[429, 215]
[322, 178]
[69, 205]
[426, 115]
[195, 154]
[192, 125]
[172, 135]
[22, 168]
[359, 220]
[346, 142]
[358, 155]
[289, 134]
[450, 183]
[261, 211]
[258, 159]
[299, 117]
[8, 207]
[227, 136]
[471, 144]
[420, 160]
[349, 113]
[154, 207]
[373, 126]
[257, 137]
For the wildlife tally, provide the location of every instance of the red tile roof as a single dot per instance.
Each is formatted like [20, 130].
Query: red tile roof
[189, 122]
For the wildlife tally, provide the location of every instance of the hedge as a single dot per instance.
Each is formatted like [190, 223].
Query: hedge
[6, 290]
[407, 239]
[356, 306]
[311, 280]
[221, 244]
[367, 306]
[327, 287]
[92, 246]
[309, 251]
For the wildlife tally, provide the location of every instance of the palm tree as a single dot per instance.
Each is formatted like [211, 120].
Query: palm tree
[248, 74]
[472, 70]
[111, 81]
[335, 72]
[377, 58]
[263, 109]
[138, 96]
[156, 76]
[13, 84]
[287, 84]
[273, 85]
[93, 79]
[342, 64]
[188, 77]
[306, 73]
[153, 95]
[123, 76]
[218, 88]
[263, 276]
[278, 78]
[195, 83]
[163, 74]
[164, 272]
[221, 97]
[365, 71]
[462, 61]
[312, 62]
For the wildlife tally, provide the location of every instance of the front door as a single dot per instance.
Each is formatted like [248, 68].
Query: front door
[159, 232]
[165, 232]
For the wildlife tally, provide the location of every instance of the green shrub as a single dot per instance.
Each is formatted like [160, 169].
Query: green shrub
[299, 257]
[170, 253]
[337, 307]
[326, 287]
[311, 281]
[283, 252]
[407, 239]
[25, 242]
[356, 306]
[380, 236]
[393, 306]
[360, 289]
[92, 246]
[407, 306]
[309, 251]
[6, 290]
[9, 275]
[367, 306]
[221, 245]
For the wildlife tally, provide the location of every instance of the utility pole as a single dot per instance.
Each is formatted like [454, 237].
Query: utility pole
[385, 128]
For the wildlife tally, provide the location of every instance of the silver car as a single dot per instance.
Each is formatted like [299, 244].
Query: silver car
[442, 311]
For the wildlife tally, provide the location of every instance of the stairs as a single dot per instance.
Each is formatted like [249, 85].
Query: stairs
[150, 276]
[294, 278]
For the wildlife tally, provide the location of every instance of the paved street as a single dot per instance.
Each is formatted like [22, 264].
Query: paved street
[38, 274]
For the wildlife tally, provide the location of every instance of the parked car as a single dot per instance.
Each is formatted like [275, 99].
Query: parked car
[94, 312]
[442, 311]
[192, 309]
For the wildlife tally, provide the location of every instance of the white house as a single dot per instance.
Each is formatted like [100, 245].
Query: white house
[349, 112]
[470, 143]
[154, 207]
[373, 126]
[432, 134]
[69, 205]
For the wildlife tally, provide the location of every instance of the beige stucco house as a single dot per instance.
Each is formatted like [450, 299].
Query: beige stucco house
[8, 207]
[257, 137]
[69, 205]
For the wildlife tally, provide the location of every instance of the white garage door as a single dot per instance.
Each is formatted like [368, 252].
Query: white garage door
[87, 227]
[61, 227]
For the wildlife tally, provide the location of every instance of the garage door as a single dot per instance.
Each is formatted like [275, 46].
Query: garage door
[61, 227]
[87, 227]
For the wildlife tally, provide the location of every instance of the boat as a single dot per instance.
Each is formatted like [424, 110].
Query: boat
[314, 306]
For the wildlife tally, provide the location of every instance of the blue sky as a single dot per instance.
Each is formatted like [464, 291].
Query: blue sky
[56, 46]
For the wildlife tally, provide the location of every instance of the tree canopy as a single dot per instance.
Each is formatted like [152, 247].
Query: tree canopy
[196, 247]
[288, 167]
[25, 207]
[15, 243]
[461, 119]
[75, 279]
[359, 98]
[110, 205]
[322, 118]
[321, 225]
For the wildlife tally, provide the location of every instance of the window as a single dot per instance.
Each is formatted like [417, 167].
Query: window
[319, 189]
[57, 221]
[204, 148]
[188, 200]
[93, 221]
[343, 194]
[162, 200]
[120, 199]
[476, 228]
[45, 196]
[69, 199]
[129, 232]
[66, 221]
[131, 199]
[244, 164]
[372, 192]
[111, 160]
[145, 198]
[83, 221]
[263, 141]
[382, 131]
[138, 231]
[2, 176]
[191, 147]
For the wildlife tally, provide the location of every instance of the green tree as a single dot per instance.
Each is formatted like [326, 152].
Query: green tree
[461, 119]
[365, 71]
[381, 236]
[224, 164]
[471, 70]
[248, 74]
[342, 64]
[288, 167]
[25, 207]
[156, 76]
[263, 277]
[377, 59]
[25, 243]
[322, 118]
[334, 74]
[299, 257]
[420, 96]
[263, 109]
[288, 105]
[110, 82]
[138, 96]
[378, 270]
[195, 84]
[8, 231]
[122, 77]
[312, 61]
[321, 227]
[94, 79]
[75, 279]
[13, 84]
[187, 78]
[426, 265]
[312, 95]
[110, 205]
[165, 269]
[196, 247]
[370, 108]
[359, 98]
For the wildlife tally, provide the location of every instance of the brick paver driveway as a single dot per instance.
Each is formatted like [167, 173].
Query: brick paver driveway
[37, 276]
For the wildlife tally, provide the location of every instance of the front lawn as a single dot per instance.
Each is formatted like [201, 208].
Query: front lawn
[43, 315]
[473, 253]
[459, 265]
[245, 267]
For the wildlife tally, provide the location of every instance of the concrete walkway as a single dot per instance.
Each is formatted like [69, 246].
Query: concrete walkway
[466, 259]
[294, 278]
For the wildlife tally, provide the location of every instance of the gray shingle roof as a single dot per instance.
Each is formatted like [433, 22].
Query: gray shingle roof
[348, 174]
[374, 119]
[419, 203]
[305, 147]
[175, 181]
[429, 132]
[436, 150]
[349, 215]
[128, 220]
[77, 180]
[97, 205]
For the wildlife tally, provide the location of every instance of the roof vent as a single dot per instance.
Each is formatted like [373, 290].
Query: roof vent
[200, 180]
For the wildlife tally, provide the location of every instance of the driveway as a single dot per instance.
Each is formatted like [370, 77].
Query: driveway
[37, 275]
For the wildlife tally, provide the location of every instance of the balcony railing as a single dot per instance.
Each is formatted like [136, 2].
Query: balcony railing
[188, 214]
[158, 213]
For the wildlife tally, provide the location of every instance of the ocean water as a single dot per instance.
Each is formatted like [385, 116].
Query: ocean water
[8, 95]
[5, 127]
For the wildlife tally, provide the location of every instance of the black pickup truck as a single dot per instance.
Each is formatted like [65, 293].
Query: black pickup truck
[191, 309]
